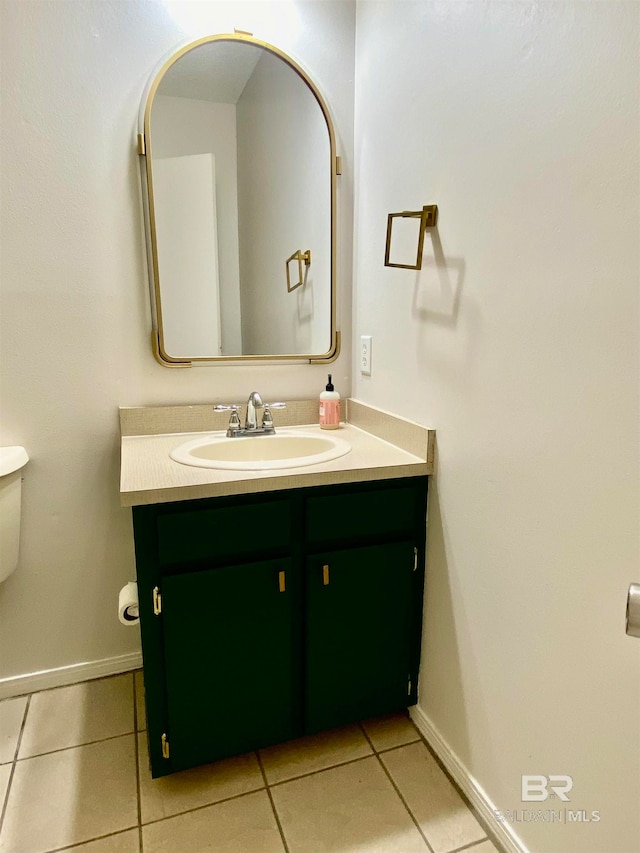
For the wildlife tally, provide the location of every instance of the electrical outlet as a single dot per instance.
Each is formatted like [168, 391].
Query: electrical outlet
[365, 355]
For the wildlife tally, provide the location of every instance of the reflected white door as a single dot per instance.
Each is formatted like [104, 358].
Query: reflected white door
[185, 206]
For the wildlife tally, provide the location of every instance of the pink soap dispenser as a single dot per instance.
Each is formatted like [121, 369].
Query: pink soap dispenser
[329, 407]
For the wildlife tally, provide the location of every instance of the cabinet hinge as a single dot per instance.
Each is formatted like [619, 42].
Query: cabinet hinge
[165, 746]
[282, 585]
[409, 687]
[157, 601]
[142, 145]
[415, 559]
[325, 575]
[338, 165]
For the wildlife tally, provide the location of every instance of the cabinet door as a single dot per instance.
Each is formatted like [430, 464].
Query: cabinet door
[359, 628]
[228, 647]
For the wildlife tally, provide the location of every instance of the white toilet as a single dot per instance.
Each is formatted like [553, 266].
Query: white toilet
[12, 460]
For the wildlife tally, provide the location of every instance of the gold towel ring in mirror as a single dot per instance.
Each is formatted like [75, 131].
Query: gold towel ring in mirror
[299, 256]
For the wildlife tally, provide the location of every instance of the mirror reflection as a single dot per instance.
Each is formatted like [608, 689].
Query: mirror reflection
[239, 171]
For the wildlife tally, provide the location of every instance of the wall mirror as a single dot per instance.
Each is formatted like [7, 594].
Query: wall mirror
[238, 170]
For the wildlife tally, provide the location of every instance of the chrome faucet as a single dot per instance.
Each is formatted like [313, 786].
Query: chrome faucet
[254, 402]
[234, 430]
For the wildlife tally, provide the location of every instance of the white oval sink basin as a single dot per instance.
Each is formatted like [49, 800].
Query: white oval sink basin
[260, 452]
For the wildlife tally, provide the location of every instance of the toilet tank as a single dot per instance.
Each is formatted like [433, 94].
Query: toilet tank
[12, 460]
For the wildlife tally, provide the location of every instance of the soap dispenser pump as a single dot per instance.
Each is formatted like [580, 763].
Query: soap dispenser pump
[329, 407]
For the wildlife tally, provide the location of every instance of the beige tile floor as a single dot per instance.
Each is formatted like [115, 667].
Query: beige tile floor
[74, 776]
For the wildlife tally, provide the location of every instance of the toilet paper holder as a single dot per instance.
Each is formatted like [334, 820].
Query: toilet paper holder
[128, 606]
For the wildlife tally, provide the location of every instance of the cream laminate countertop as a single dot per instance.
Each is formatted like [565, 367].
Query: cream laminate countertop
[148, 475]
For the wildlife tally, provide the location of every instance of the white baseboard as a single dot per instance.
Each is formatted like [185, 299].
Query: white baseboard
[19, 684]
[476, 795]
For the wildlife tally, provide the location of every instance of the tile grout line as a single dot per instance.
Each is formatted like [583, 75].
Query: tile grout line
[395, 787]
[74, 746]
[273, 805]
[488, 836]
[321, 770]
[136, 741]
[14, 762]
[266, 785]
[479, 818]
[22, 728]
[204, 805]
[255, 790]
[135, 733]
[78, 845]
[344, 763]
[469, 846]
[398, 746]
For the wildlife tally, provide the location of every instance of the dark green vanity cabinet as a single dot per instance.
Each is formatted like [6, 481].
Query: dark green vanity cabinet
[268, 616]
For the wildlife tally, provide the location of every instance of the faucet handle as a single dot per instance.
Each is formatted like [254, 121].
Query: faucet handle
[267, 420]
[234, 420]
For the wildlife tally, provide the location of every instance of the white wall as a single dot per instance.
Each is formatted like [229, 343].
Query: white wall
[75, 321]
[284, 164]
[181, 126]
[518, 342]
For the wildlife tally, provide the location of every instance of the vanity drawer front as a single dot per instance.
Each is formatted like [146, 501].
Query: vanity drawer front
[222, 532]
[365, 513]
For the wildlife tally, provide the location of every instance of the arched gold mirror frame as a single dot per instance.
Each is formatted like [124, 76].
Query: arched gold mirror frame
[145, 152]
